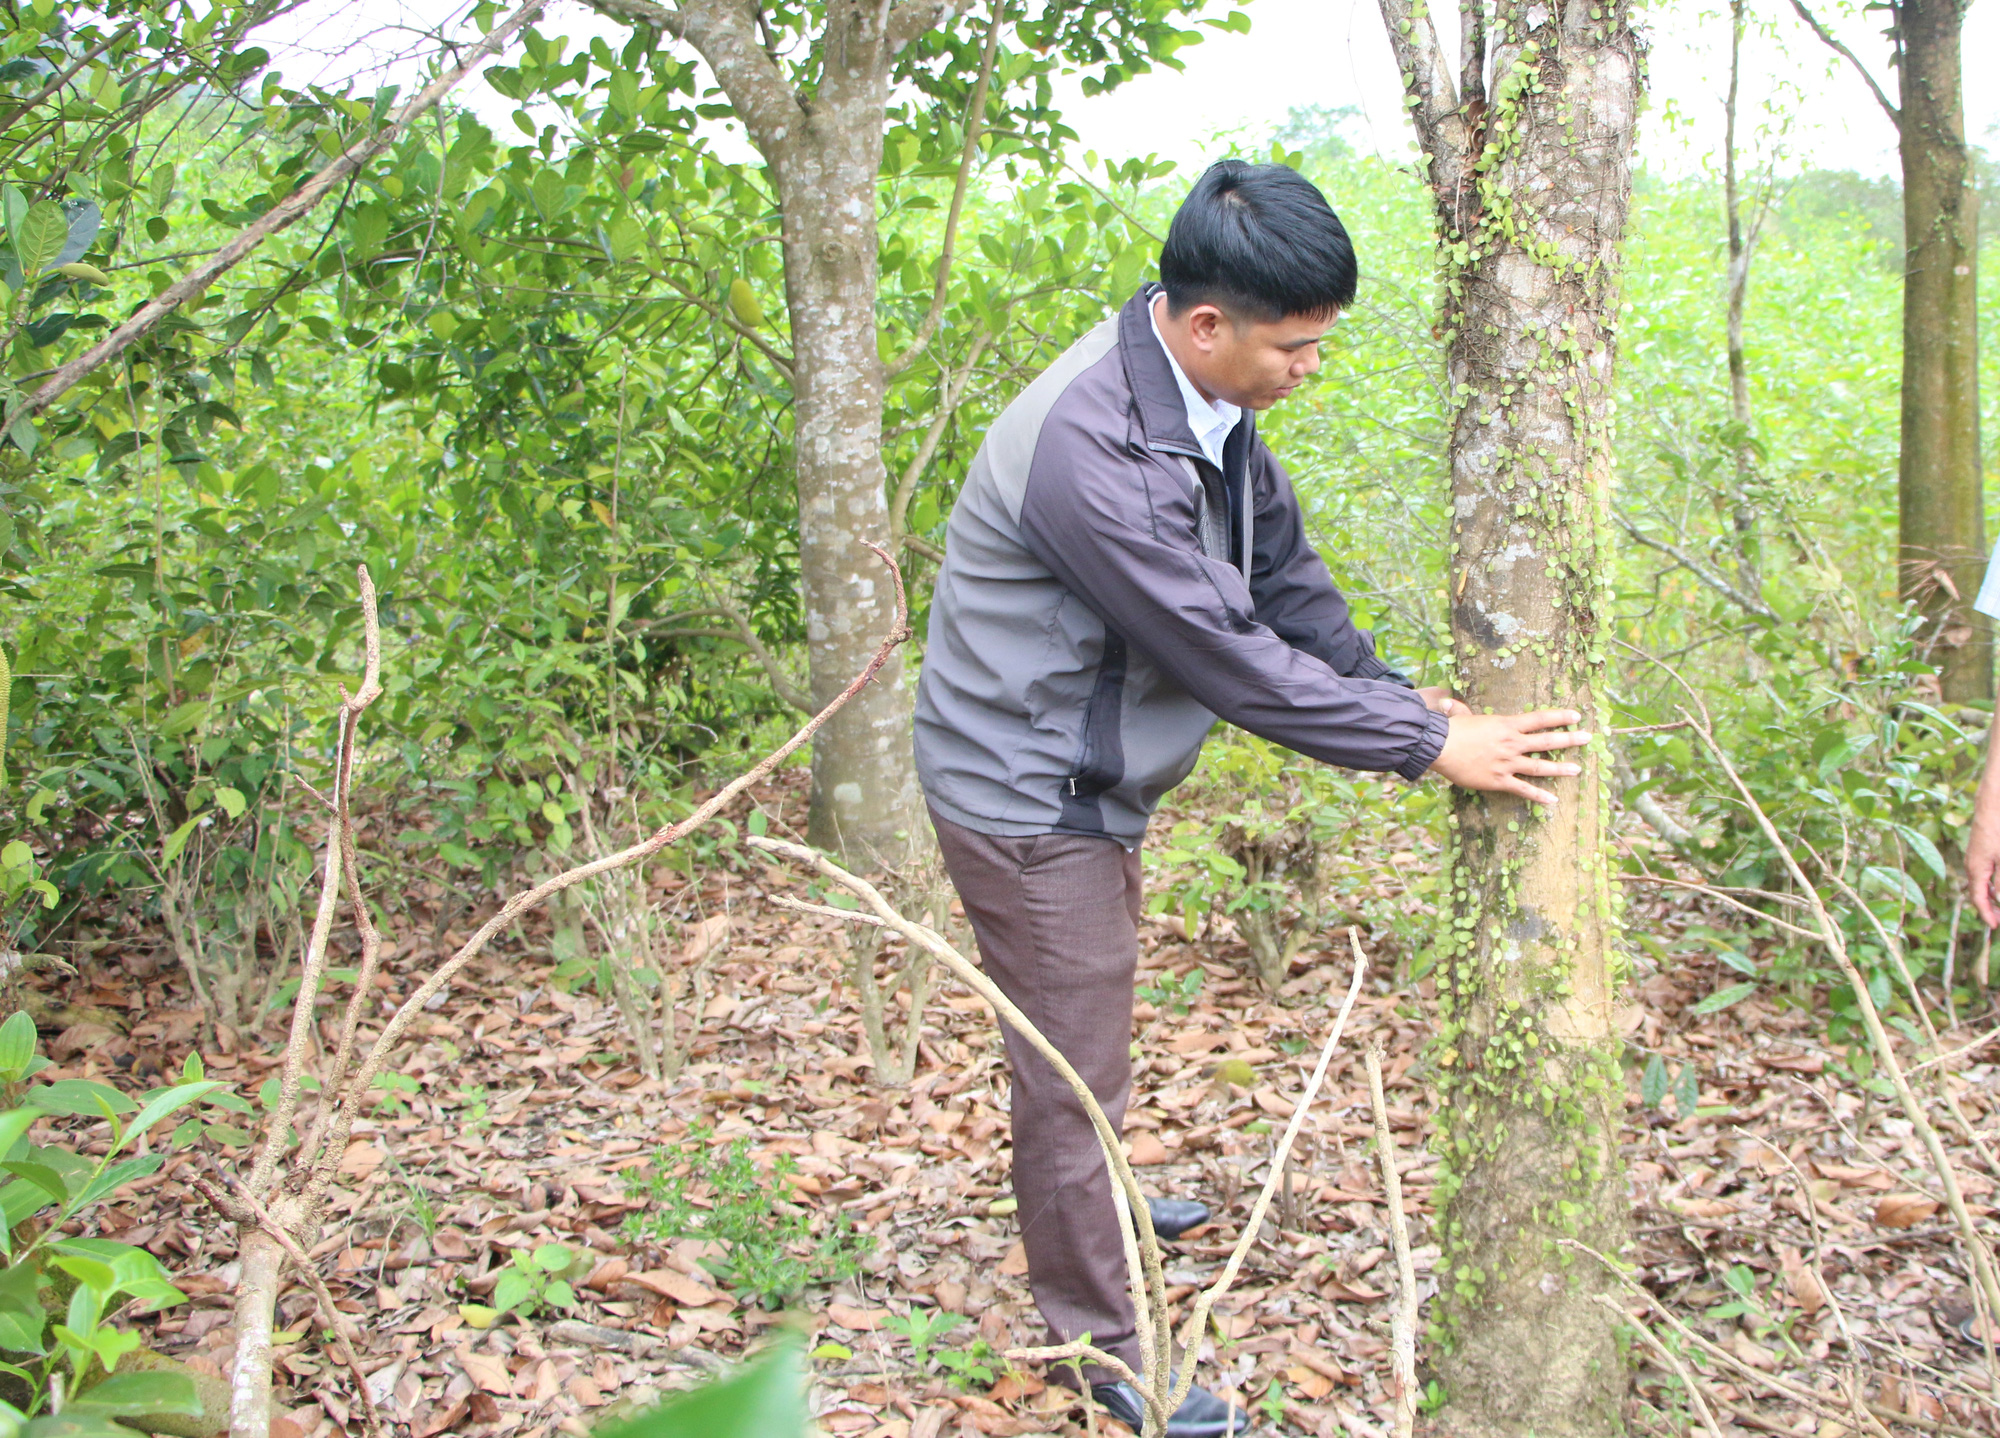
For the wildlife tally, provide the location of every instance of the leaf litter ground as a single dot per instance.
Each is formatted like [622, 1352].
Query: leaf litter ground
[1763, 1178]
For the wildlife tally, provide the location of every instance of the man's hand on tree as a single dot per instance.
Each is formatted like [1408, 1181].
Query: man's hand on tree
[1440, 700]
[1495, 752]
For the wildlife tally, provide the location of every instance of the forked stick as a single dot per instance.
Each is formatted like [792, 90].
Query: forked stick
[1162, 1394]
[279, 1212]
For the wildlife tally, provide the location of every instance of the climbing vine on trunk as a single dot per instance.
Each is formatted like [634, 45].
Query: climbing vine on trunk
[1530, 169]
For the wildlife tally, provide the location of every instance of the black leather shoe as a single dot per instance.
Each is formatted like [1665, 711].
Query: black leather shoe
[1174, 1216]
[1201, 1414]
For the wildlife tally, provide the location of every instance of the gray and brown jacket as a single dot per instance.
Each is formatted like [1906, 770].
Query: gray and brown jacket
[1108, 593]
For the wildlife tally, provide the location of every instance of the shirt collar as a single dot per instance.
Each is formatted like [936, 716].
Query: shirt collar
[1210, 421]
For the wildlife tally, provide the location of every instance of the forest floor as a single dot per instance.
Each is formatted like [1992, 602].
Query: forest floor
[1790, 1216]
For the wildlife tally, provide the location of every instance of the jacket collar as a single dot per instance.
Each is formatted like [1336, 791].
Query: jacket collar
[1156, 394]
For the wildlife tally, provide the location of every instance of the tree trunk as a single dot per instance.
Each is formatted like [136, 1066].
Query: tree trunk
[1532, 191]
[864, 780]
[822, 139]
[1942, 529]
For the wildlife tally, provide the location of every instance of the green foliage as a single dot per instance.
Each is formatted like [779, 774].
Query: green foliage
[1175, 995]
[976, 1366]
[767, 1399]
[773, 1250]
[59, 1291]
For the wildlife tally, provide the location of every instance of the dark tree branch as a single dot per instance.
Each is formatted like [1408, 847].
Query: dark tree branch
[1833, 43]
[1748, 603]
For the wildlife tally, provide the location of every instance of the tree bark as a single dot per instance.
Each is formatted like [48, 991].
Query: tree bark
[1532, 191]
[824, 152]
[1942, 528]
[864, 781]
[1743, 511]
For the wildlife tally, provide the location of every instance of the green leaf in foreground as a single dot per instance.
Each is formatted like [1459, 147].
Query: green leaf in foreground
[1716, 1002]
[765, 1400]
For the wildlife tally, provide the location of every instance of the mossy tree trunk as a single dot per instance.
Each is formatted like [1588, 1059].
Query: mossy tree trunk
[1941, 520]
[1530, 164]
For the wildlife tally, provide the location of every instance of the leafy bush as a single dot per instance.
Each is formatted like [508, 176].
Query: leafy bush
[773, 1250]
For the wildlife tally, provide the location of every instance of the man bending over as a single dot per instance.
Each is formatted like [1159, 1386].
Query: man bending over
[1126, 564]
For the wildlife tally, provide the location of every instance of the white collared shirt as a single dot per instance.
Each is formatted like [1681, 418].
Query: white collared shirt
[1210, 421]
[1988, 602]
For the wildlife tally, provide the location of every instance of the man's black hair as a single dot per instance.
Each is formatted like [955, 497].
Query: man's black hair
[1259, 241]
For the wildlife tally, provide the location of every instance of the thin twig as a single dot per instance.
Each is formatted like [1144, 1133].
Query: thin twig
[1197, 1318]
[1403, 1321]
[975, 121]
[1839, 48]
[1671, 1359]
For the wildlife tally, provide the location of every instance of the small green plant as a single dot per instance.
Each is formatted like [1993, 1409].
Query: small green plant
[1433, 1399]
[538, 1277]
[1684, 1086]
[772, 1249]
[473, 1097]
[966, 1367]
[1272, 1405]
[23, 890]
[923, 1327]
[1174, 994]
[395, 1088]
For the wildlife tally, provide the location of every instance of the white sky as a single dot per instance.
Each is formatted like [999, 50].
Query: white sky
[1332, 52]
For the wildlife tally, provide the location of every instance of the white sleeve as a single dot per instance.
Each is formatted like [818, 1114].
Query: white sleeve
[1988, 602]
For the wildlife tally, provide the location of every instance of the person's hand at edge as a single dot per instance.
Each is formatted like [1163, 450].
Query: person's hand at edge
[1495, 752]
[1982, 846]
[1440, 700]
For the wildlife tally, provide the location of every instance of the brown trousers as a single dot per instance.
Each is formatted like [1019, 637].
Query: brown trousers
[1057, 919]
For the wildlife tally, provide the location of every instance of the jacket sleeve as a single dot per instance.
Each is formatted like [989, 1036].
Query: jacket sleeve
[1289, 583]
[1117, 528]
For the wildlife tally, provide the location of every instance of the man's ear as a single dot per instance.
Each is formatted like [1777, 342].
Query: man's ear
[1203, 322]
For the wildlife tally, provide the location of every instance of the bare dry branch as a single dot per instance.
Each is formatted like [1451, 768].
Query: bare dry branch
[1672, 1360]
[278, 1220]
[1403, 1321]
[1833, 43]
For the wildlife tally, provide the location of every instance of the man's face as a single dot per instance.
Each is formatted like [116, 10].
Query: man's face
[1252, 363]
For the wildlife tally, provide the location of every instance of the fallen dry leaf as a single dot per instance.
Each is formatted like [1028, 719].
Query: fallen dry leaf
[1314, 1385]
[860, 1320]
[1799, 1278]
[670, 1284]
[1146, 1150]
[486, 1371]
[1903, 1210]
